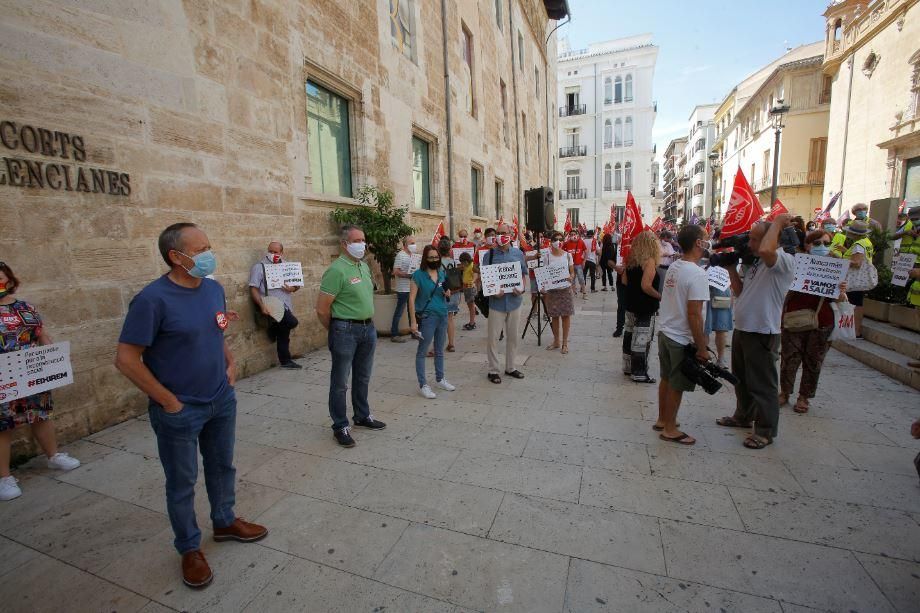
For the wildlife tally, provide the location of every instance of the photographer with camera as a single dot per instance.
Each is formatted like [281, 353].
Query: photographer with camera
[680, 318]
[768, 273]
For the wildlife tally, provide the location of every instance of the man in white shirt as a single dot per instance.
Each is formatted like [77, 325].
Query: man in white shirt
[591, 255]
[401, 267]
[756, 340]
[684, 291]
[279, 332]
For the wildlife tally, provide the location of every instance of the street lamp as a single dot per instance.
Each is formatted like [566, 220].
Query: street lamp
[714, 164]
[685, 180]
[776, 114]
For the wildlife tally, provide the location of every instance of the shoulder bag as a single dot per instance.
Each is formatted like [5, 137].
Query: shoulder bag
[802, 320]
[864, 278]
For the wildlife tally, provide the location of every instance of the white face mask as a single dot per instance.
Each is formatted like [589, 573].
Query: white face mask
[356, 250]
[557, 244]
[274, 258]
[411, 247]
[477, 236]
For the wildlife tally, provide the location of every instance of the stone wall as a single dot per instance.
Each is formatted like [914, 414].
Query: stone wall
[202, 104]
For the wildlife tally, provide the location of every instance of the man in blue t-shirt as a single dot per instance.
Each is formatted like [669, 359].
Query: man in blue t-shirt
[172, 347]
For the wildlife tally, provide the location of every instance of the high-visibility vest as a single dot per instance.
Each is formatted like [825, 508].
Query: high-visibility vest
[840, 250]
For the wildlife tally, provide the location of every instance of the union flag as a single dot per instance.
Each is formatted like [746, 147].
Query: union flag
[438, 234]
[743, 210]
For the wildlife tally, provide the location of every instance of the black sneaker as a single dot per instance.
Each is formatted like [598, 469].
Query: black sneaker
[343, 437]
[618, 333]
[291, 365]
[370, 423]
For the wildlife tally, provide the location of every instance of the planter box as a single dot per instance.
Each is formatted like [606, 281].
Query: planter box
[876, 309]
[384, 304]
[905, 317]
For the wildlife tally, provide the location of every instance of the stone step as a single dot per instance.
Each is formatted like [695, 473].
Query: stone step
[882, 359]
[905, 342]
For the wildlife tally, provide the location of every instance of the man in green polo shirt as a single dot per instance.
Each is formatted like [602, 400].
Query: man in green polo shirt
[345, 306]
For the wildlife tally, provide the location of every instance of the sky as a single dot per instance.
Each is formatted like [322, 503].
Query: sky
[705, 46]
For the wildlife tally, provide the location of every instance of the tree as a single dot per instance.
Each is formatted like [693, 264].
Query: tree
[384, 227]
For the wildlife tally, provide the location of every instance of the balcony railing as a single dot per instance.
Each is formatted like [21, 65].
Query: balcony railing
[568, 111]
[608, 144]
[577, 150]
[608, 100]
[790, 179]
[573, 194]
[627, 143]
[824, 98]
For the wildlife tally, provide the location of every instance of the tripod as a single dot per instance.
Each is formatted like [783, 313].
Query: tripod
[540, 324]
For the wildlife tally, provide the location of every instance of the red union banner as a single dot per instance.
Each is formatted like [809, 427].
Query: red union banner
[778, 209]
[438, 234]
[743, 210]
[657, 225]
[631, 225]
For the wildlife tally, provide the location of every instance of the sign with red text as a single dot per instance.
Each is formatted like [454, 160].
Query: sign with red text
[819, 275]
[34, 370]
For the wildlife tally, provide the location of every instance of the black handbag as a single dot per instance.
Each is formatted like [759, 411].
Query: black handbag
[481, 300]
[453, 278]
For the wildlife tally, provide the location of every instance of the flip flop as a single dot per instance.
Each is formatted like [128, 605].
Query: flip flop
[731, 422]
[515, 373]
[680, 440]
[755, 441]
[801, 406]
[494, 378]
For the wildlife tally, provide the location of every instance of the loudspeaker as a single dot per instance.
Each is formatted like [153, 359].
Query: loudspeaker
[885, 211]
[541, 210]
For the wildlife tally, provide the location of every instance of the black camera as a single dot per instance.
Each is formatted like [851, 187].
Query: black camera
[705, 374]
[729, 251]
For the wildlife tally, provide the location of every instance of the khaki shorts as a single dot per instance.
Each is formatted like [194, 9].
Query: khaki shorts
[670, 356]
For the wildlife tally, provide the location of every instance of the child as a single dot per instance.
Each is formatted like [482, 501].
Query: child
[469, 287]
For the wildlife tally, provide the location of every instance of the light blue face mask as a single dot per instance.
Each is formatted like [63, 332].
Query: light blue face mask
[205, 264]
[830, 228]
[822, 250]
[861, 214]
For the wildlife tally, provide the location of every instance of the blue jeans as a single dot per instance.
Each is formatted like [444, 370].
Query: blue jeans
[402, 299]
[432, 327]
[352, 347]
[213, 427]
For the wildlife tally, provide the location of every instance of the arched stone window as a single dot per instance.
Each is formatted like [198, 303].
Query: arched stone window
[628, 95]
[618, 133]
[608, 91]
[618, 90]
[628, 176]
[608, 134]
[607, 177]
[617, 177]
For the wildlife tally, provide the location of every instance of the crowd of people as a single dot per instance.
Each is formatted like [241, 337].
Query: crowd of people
[172, 345]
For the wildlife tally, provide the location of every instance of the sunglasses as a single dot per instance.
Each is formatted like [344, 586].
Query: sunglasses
[825, 243]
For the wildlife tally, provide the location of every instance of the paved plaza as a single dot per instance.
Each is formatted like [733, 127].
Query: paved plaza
[547, 494]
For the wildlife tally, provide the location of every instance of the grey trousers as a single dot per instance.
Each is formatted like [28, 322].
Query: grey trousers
[754, 359]
[510, 322]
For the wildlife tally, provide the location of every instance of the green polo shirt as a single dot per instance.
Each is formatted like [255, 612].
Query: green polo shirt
[351, 284]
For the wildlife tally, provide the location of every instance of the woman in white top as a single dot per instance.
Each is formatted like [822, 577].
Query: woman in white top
[560, 302]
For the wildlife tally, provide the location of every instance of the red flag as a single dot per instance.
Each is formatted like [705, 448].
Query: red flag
[438, 234]
[514, 223]
[743, 210]
[709, 226]
[778, 209]
[657, 225]
[901, 206]
[568, 223]
[631, 225]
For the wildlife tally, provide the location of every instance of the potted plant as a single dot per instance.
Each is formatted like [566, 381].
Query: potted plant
[384, 226]
[878, 300]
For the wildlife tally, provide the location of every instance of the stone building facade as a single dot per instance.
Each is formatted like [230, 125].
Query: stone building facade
[254, 119]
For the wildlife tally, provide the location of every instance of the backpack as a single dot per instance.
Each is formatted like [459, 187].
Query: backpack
[453, 277]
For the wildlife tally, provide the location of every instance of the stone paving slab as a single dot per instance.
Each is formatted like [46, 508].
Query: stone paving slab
[551, 493]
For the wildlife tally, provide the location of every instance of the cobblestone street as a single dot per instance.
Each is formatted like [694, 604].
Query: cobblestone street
[547, 494]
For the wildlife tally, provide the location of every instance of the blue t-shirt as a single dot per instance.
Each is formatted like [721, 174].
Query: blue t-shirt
[182, 330]
[428, 289]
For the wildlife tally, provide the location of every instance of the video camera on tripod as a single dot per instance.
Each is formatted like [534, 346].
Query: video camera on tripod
[705, 374]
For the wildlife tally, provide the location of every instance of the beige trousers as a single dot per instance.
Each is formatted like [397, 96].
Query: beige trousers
[510, 322]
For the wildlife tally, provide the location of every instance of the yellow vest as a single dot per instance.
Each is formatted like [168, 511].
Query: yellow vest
[840, 250]
[909, 244]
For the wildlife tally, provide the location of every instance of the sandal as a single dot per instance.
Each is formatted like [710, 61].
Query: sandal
[515, 373]
[450, 348]
[645, 379]
[683, 439]
[658, 428]
[783, 399]
[565, 348]
[494, 378]
[468, 326]
[756, 441]
[553, 346]
[801, 405]
[730, 422]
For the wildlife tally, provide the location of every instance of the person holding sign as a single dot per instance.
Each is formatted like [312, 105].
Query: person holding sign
[21, 327]
[172, 348]
[504, 306]
[402, 270]
[560, 304]
[642, 299]
[428, 318]
[805, 339]
[278, 330]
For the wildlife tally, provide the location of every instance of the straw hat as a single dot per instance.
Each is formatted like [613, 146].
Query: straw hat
[858, 228]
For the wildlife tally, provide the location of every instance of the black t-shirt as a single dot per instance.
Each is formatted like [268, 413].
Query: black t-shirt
[637, 301]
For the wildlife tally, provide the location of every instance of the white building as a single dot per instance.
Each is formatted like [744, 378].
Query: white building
[700, 136]
[606, 116]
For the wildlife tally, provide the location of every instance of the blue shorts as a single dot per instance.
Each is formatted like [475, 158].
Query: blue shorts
[453, 305]
[718, 320]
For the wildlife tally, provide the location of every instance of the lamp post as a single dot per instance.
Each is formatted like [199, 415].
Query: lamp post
[776, 114]
[686, 182]
[714, 164]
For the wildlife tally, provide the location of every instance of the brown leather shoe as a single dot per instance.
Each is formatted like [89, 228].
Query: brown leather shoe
[195, 570]
[241, 531]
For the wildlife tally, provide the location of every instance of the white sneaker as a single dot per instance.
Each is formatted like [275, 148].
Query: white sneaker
[444, 384]
[9, 488]
[62, 461]
[425, 391]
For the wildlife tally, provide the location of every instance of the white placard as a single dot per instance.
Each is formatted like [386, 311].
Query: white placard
[456, 251]
[543, 261]
[901, 265]
[285, 273]
[501, 277]
[718, 278]
[415, 262]
[552, 277]
[34, 370]
[819, 275]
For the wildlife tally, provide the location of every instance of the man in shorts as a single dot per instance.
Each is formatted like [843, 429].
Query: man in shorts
[684, 291]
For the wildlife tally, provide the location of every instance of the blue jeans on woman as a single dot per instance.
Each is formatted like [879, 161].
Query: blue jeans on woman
[352, 346]
[213, 427]
[432, 328]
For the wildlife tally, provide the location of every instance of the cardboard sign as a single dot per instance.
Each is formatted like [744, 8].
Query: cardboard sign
[415, 262]
[552, 277]
[718, 278]
[34, 370]
[456, 251]
[501, 277]
[819, 275]
[285, 273]
[901, 265]
[543, 260]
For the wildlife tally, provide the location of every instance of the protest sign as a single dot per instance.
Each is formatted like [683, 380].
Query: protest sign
[819, 275]
[552, 277]
[718, 278]
[543, 260]
[415, 262]
[285, 273]
[456, 251]
[501, 277]
[34, 370]
[901, 266]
